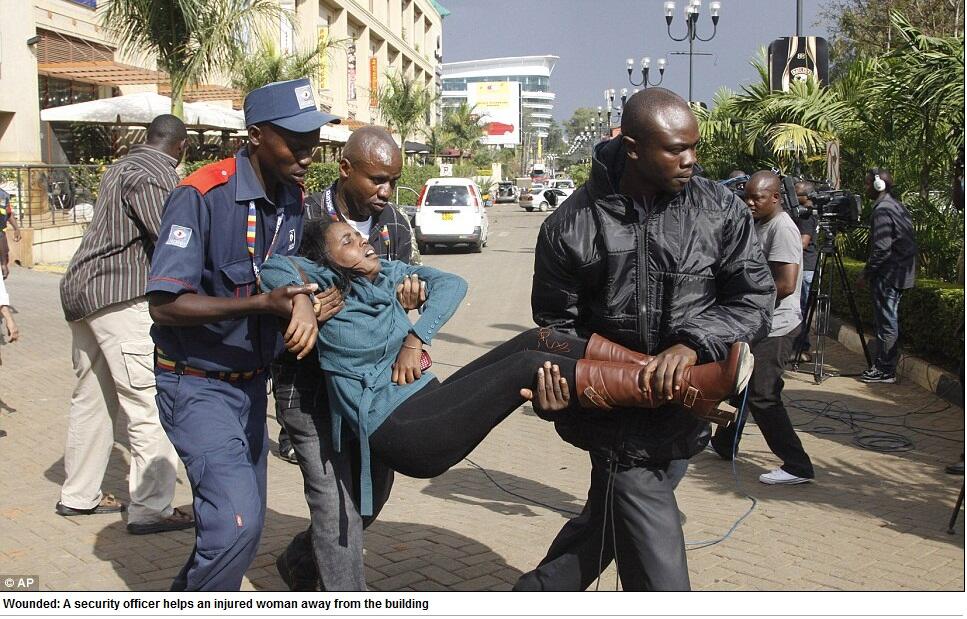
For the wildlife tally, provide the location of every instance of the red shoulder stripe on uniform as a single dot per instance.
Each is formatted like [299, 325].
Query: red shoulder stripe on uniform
[208, 177]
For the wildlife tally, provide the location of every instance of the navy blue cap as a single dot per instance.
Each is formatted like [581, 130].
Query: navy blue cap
[289, 105]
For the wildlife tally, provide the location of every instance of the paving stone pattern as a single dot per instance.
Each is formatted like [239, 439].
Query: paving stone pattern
[871, 520]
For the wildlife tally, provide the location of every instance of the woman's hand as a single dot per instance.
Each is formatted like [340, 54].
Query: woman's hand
[411, 293]
[327, 304]
[300, 336]
[407, 367]
[552, 393]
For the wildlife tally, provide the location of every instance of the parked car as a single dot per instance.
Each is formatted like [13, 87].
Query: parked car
[450, 212]
[506, 191]
[542, 199]
[564, 184]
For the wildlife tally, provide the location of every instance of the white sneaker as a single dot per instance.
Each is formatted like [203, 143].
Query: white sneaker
[778, 476]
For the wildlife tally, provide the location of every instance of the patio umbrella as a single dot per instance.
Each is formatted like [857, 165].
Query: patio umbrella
[140, 109]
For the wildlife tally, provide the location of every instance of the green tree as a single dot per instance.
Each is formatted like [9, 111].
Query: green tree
[463, 128]
[784, 129]
[581, 118]
[191, 39]
[911, 121]
[864, 28]
[579, 173]
[921, 106]
[266, 64]
[436, 139]
[404, 104]
[554, 142]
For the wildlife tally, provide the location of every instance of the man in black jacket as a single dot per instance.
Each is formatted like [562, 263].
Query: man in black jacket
[668, 264]
[890, 269]
[330, 553]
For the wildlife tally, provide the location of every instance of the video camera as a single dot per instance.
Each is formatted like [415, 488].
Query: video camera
[828, 205]
[837, 206]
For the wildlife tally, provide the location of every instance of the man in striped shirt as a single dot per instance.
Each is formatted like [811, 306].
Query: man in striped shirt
[102, 294]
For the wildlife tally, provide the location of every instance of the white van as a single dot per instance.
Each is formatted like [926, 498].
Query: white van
[450, 212]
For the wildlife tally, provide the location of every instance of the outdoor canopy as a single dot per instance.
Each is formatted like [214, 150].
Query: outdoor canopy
[140, 109]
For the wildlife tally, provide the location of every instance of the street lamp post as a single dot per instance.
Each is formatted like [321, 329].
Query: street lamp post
[609, 97]
[692, 9]
[645, 68]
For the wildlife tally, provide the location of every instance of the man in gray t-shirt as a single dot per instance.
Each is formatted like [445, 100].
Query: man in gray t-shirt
[782, 246]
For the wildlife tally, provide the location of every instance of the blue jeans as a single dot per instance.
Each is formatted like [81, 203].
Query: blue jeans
[802, 342]
[886, 324]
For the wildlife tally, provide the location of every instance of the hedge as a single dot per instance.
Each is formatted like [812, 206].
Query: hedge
[931, 315]
[321, 175]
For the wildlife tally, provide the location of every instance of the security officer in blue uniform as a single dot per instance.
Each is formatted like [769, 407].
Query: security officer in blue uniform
[215, 334]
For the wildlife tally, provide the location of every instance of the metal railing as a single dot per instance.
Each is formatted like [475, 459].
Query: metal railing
[51, 194]
[409, 209]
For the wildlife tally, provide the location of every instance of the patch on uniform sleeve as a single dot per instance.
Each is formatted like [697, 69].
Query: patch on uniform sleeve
[179, 236]
[291, 240]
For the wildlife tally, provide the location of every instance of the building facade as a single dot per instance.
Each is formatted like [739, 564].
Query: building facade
[532, 72]
[370, 38]
[57, 49]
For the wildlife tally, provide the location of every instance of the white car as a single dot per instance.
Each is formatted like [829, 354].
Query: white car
[564, 184]
[450, 212]
[542, 199]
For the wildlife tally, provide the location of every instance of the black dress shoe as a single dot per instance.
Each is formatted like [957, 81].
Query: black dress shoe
[956, 468]
[721, 443]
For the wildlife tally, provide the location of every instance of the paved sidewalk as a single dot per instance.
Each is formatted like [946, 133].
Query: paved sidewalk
[872, 521]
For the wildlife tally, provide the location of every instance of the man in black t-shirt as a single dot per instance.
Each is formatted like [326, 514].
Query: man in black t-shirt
[807, 229]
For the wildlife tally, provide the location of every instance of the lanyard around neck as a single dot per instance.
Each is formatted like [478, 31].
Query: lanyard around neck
[330, 206]
[250, 232]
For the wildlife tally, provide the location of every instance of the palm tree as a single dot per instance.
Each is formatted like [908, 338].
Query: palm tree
[462, 124]
[404, 104]
[266, 64]
[922, 101]
[776, 127]
[436, 139]
[191, 39]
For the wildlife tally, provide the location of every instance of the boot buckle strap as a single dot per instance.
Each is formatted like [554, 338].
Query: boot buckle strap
[595, 398]
[691, 394]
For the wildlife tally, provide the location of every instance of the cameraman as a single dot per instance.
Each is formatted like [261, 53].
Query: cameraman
[890, 269]
[807, 230]
[782, 246]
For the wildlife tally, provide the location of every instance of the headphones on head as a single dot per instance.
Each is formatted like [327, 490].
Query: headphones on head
[878, 183]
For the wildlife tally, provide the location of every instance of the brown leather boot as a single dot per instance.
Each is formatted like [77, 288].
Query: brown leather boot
[602, 349]
[606, 384]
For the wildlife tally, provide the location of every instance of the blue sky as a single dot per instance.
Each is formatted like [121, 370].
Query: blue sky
[594, 38]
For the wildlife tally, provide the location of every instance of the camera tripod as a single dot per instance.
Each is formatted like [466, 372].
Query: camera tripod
[820, 294]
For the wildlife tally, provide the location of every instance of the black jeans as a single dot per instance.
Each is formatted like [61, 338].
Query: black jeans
[886, 324]
[330, 551]
[429, 433]
[631, 517]
[443, 422]
[765, 405]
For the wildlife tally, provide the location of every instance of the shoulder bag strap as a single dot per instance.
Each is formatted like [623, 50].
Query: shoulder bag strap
[146, 241]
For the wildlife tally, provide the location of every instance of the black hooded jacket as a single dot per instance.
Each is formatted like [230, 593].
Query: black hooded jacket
[688, 270]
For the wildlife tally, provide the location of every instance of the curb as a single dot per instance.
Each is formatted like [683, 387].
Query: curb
[930, 376]
[50, 268]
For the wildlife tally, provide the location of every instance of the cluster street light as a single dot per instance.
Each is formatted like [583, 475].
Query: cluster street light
[645, 68]
[609, 98]
[692, 9]
[583, 139]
